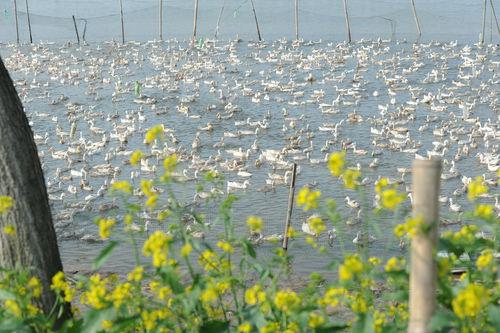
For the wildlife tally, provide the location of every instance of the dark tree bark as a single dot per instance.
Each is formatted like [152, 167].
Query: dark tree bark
[35, 245]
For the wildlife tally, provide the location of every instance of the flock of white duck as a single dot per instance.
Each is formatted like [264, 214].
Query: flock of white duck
[250, 110]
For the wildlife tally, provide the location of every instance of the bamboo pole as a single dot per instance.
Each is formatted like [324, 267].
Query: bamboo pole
[348, 25]
[291, 195]
[423, 270]
[297, 19]
[195, 19]
[29, 21]
[481, 38]
[416, 17]
[495, 16]
[84, 30]
[76, 30]
[256, 21]
[160, 20]
[121, 18]
[218, 20]
[17, 22]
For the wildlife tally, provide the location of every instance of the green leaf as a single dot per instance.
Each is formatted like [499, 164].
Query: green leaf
[104, 255]
[249, 249]
[494, 316]
[9, 324]
[5, 295]
[215, 326]
[94, 318]
[440, 321]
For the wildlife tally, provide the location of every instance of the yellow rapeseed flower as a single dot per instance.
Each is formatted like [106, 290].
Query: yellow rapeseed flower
[209, 294]
[10, 230]
[476, 188]
[136, 274]
[254, 223]
[120, 294]
[336, 162]
[6, 204]
[208, 259]
[286, 300]
[95, 295]
[157, 247]
[315, 320]
[483, 211]
[152, 201]
[351, 267]
[122, 186]
[316, 224]
[358, 304]
[470, 301]
[147, 187]
[390, 198]
[350, 178]
[136, 157]
[105, 226]
[186, 249]
[270, 327]
[332, 297]
[35, 286]
[14, 308]
[170, 163]
[255, 295]
[381, 184]
[225, 246]
[153, 133]
[485, 260]
[58, 282]
[244, 327]
[308, 199]
[107, 324]
[395, 264]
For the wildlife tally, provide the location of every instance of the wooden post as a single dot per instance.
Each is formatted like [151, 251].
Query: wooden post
[495, 16]
[76, 30]
[195, 19]
[29, 21]
[160, 20]
[121, 17]
[481, 38]
[348, 25]
[84, 30]
[291, 195]
[17, 22]
[297, 19]
[416, 17]
[256, 21]
[423, 270]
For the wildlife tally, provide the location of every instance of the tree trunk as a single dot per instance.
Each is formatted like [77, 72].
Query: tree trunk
[35, 245]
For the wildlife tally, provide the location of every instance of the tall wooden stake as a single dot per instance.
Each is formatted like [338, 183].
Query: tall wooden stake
[218, 20]
[121, 18]
[76, 30]
[291, 195]
[17, 22]
[29, 21]
[495, 16]
[481, 39]
[160, 20]
[256, 21]
[423, 270]
[416, 17]
[195, 19]
[297, 19]
[348, 25]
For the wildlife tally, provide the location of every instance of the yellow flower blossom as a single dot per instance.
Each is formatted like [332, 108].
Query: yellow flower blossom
[107, 324]
[35, 286]
[379, 320]
[58, 282]
[122, 186]
[136, 274]
[209, 294]
[105, 226]
[350, 178]
[374, 261]
[153, 133]
[470, 301]
[271, 327]
[351, 267]
[315, 320]
[33, 310]
[186, 249]
[6, 204]
[286, 300]
[152, 201]
[10, 230]
[476, 188]
[208, 259]
[412, 227]
[136, 157]
[332, 297]
[147, 187]
[484, 212]
[157, 247]
[395, 264]
[170, 163]
[255, 295]
[336, 162]
[390, 198]
[316, 224]
[225, 246]
[358, 304]
[308, 199]
[244, 327]
[381, 184]
[95, 296]
[14, 308]
[254, 223]
[485, 260]
[120, 294]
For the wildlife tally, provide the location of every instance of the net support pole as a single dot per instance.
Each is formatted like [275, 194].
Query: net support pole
[291, 195]
[17, 22]
[256, 21]
[494, 16]
[296, 19]
[347, 24]
[76, 30]
[195, 19]
[121, 19]
[29, 21]
[483, 30]
[415, 16]
[423, 268]
[160, 20]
